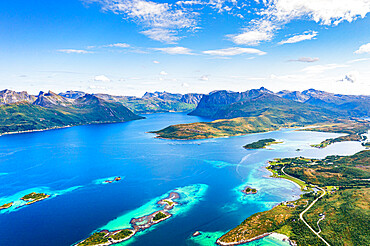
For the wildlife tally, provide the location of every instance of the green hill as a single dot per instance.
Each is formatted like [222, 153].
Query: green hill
[23, 116]
[266, 112]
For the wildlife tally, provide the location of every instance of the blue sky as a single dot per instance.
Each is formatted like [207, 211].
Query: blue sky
[127, 47]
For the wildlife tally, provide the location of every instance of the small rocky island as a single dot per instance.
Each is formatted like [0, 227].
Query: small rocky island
[249, 190]
[106, 237]
[261, 144]
[116, 179]
[29, 199]
[6, 205]
[34, 197]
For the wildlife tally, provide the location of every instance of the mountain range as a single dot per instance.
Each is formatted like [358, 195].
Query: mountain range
[50, 110]
[227, 104]
[20, 111]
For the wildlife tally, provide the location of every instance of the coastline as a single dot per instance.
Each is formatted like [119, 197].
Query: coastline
[271, 176]
[137, 224]
[276, 235]
[67, 126]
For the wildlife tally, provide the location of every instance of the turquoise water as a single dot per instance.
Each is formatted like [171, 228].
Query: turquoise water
[71, 164]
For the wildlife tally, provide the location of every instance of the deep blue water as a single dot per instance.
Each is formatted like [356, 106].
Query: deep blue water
[68, 163]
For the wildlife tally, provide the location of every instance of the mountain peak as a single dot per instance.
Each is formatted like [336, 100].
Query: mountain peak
[8, 96]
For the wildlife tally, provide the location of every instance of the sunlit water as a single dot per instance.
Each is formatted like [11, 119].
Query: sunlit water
[72, 164]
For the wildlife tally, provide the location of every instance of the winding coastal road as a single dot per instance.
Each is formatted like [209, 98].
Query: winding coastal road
[304, 211]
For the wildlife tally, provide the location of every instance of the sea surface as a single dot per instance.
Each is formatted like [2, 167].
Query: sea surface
[72, 164]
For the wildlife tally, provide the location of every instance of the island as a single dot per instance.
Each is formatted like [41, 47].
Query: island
[261, 144]
[116, 179]
[106, 237]
[337, 189]
[249, 190]
[34, 197]
[6, 205]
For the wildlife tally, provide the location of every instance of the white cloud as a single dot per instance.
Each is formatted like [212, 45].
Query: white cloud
[322, 68]
[118, 45]
[156, 62]
[358, 60]
[325, 12]
[73, 51]
[305, 59]
[350, 77]
[185, 85]
[162, 35]
[276, 13]
[363, 49]
[234, 51]
[175, 50]
[204, 78]
[152, 15]
[299, 38]
[101, 78]
[258, 32]
[163, 73]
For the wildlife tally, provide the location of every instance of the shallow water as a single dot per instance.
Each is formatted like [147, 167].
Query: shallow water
[70, 164]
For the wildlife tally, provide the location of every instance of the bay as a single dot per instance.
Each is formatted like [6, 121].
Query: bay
[72, 164]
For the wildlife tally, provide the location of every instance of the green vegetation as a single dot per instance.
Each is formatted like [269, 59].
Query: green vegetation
[122, 234]
[24, 116]
[34, 197]
[344, 171]
[6, 205]
[249, 190]
[280, 219]
[159, 216]
[95, 239]
[347, 217]
[262, 114]
[261, 144]
[346, 210]
[169, 202]
[353, 129]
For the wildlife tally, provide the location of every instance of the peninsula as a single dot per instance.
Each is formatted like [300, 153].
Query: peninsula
[333, 182]
[106, 237]
[261, 110]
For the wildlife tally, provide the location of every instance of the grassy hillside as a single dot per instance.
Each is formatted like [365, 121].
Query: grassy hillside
[354, 129]
[344, 171]
[346, 222]
[24, 116]
[346, 210]
[268, 119]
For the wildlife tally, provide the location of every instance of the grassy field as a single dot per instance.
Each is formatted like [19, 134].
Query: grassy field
[280, 219]
[346, 206]
[347, 217]
[24, 116]
[233, 127]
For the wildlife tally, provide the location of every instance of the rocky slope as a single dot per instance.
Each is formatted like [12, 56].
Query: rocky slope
[9, 96]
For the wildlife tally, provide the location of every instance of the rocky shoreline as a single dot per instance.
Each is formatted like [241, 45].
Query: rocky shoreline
[279, 236]
[138, 224]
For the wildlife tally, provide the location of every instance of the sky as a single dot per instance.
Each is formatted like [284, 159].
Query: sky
[128, 47]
